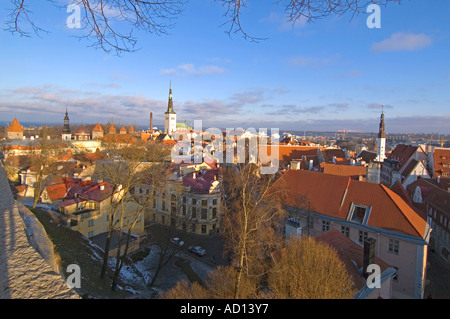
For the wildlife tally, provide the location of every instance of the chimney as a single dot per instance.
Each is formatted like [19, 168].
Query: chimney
[151, 121]
[369, 255]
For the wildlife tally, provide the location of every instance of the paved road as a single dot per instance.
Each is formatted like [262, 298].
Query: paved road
[178, 267]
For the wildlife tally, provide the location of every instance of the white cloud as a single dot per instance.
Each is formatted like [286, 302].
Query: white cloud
[190, 69]
[402, 42]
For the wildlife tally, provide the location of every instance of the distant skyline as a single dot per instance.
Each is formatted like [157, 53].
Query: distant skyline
[330, 75]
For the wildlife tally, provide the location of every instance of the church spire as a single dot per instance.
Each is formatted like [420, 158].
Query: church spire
[170, 103]
[66, 128]
[382, 133]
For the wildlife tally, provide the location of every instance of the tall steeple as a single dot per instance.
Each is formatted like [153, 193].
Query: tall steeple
[170, 117]
[381, 140]
[66, 134]
[170, 103]
[382, 133]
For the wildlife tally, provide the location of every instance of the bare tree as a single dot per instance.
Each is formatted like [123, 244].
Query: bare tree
[251, 222]
[43, 152]
[308, 269]
[104, 20]
[125, 168]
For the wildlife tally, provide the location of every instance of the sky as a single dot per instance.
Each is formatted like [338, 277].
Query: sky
[332, 74]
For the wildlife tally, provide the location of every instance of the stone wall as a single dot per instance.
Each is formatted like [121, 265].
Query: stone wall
[27, 266]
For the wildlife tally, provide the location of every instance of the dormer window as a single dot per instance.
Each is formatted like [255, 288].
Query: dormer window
[358, 213]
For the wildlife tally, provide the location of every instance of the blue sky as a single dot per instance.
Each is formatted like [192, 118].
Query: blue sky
[329, 75]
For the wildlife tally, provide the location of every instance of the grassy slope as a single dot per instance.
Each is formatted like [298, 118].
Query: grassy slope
[73, 248]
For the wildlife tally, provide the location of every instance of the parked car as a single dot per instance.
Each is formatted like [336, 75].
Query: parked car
[197, 250]
[177, 241]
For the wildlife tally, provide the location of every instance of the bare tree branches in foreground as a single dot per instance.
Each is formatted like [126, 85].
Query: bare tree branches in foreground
[112, 24]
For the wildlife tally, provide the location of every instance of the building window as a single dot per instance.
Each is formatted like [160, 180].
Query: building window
[203, 229]
[363, 235]
[90, 234]
[204, 203]
[358, 213]
[154, 217]
[345, 230]
[393, 246]
[214, 202]
[325, 225]
[194, 212]
[204, 213]
[214, 212]
[194, 228]
[163, 220]
[90, 222]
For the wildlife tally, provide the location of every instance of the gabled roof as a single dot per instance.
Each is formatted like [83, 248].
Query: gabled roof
[441, 160]
[402, 153]
[15, 127]
[56, 192]
[333, 196]
[329, 153]
[367, 156]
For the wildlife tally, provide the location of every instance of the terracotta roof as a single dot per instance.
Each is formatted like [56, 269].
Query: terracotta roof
[119, 138]
[344, 170]
[15, 127]
[131, 128]
[333, 196]
[287, 153]
[441, 159]
[56, 192]
[112, 129]
[97, 128]
[402, 153]
[203, 182]
[329, 153]
[123, 129]
[350, 253]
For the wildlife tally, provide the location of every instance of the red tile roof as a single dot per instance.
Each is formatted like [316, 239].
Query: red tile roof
[56, 192]
[402, 153]
[15, 127]
[343, 170]
[333, 196]
[287, 153]
[441, 159]
[97, 128]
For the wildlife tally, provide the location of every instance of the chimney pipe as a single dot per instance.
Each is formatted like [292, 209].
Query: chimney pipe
[151, 121]
[369, 255]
